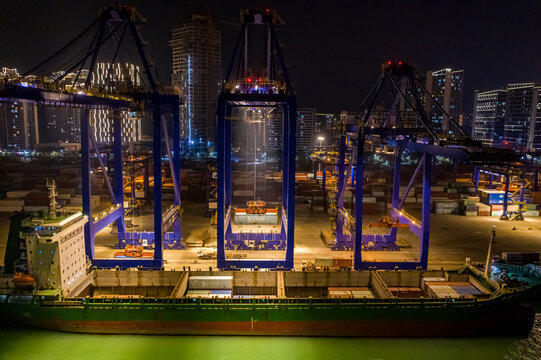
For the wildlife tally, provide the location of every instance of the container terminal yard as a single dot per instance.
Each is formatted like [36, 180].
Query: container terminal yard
[398, 228]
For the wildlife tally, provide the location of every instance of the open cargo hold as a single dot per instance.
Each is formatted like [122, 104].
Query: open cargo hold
[365, 303]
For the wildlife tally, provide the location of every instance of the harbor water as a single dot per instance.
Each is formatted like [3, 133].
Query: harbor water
[21, 342]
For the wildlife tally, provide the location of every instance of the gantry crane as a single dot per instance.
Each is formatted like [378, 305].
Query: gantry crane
[454, 144]
[107, 36]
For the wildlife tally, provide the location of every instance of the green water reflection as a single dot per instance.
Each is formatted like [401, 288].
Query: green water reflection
[17, 342]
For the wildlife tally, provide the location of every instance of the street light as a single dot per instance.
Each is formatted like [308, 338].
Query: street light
[320, 138]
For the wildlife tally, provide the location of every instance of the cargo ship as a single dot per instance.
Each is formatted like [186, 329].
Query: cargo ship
[293, 303]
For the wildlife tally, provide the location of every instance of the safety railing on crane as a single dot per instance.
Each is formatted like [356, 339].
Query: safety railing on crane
[45, 83]
[255, 84]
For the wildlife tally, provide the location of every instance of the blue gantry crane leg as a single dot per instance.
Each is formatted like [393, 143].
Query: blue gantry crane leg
[85, 169]
[118, 166]
[357, 250]
[397, 166]
[176, 165]
[157, 160]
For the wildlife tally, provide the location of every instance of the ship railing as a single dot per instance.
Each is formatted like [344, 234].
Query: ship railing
[426, 302]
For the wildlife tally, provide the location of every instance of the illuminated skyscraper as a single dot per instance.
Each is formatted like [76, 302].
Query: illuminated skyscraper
[19, 125]
[489, 116]
[446, 87]
[58, 124]
[274, 133]
[196, 50]
[112, 78]
[324, 126]
[18, 120]
[522, 128]
[306, 118]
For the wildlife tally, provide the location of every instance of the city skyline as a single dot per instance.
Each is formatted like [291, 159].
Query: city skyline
[346, 29]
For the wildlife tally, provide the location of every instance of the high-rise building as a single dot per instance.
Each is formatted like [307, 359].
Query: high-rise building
[19, 124]
[18, 120]
[446, 88]
[111, 78]
[489, 116]
[305, 130]
[115, 77]
[196, 50]
[324, 126]
[465, 121]
[522, 128]
[274, 133]
[58, 124]
[407, 107]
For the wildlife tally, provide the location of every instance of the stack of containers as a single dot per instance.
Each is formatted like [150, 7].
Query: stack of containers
[379, 194]
[484, 210]
[452, 193]
[471, 211]
[492, 196]
[305, 187]
[445, 207]
[438, 191]
[316, 203]
[411, 195]
[469, 206]
[536, 197]
[369, 205]
[496, 210]
[11, 204]
[17, 194]
[512, 207]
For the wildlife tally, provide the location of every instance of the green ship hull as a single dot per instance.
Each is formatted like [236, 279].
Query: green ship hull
[501, 315]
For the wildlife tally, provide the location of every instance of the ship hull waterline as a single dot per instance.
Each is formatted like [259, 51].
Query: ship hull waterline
[389, 321]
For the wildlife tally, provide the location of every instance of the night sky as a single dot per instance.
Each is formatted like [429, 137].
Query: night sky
[334, 48]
